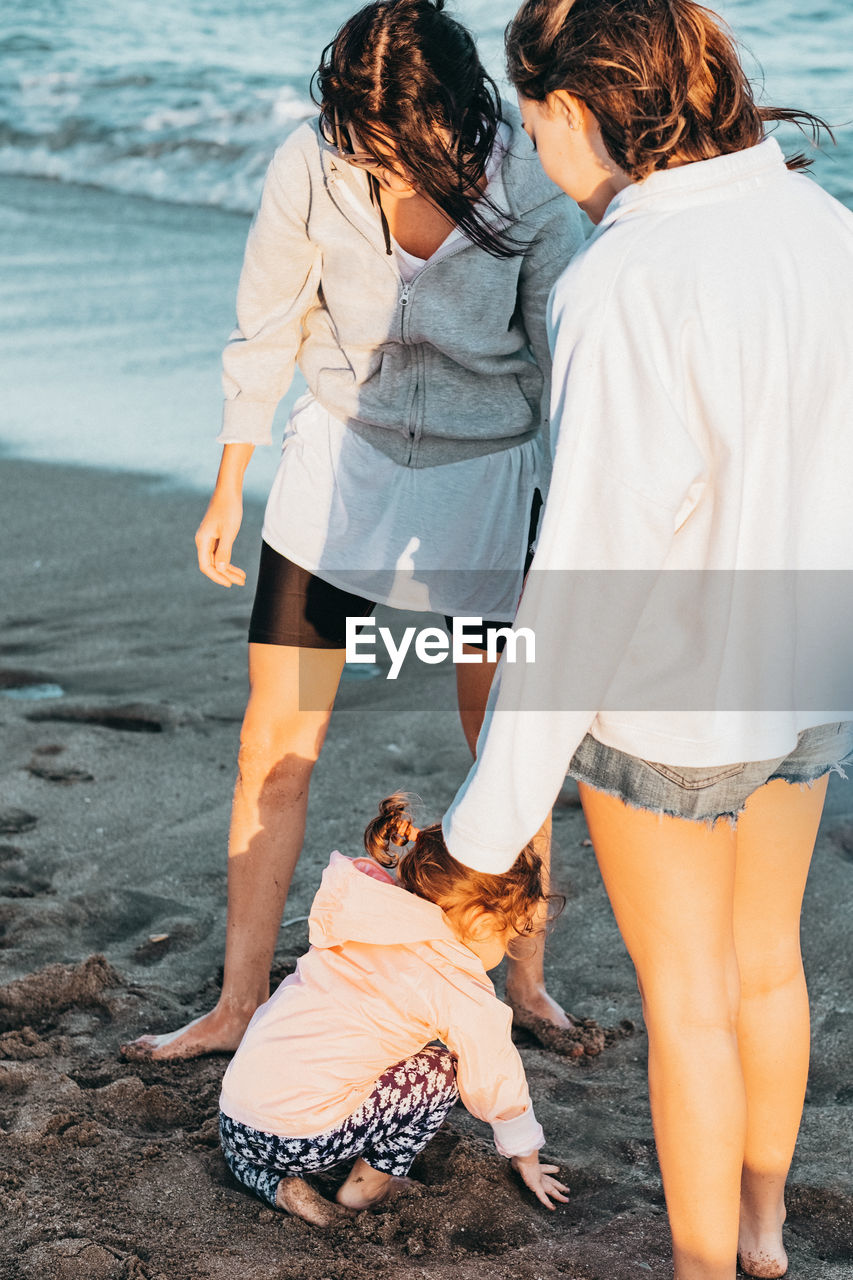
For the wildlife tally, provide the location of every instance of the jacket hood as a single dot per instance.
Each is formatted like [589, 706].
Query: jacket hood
[353, 907]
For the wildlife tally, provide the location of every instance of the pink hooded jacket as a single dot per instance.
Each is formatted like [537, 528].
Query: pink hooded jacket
[385, 975]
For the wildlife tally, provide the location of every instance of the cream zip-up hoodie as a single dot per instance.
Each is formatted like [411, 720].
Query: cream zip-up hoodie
[451, 365]
[385, 976]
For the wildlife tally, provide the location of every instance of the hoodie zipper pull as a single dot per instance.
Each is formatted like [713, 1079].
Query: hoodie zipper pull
[404, 296]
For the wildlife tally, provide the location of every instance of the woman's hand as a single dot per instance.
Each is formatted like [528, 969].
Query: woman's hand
[215, 538]
[536, 1176]
[222, 520]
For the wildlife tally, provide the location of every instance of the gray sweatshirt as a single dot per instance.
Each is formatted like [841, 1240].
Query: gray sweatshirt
[450, 366]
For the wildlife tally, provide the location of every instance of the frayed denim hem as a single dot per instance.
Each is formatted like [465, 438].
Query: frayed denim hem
[804, 778]
[708, 820]
[709, 794]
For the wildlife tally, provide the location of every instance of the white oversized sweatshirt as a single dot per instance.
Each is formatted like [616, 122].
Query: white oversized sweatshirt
[690, 594]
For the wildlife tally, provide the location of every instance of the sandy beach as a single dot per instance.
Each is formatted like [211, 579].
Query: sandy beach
[113, 813]
[114, 801]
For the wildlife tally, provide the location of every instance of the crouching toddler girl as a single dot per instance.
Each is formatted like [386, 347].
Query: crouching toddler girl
[340, 1062]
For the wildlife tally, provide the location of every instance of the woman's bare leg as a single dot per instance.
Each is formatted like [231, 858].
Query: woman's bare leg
[279, 746]
[671, 884]
[711, 919]
[776, 836]
[525, 975]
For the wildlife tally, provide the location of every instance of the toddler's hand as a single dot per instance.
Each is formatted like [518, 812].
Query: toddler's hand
[536, 1176]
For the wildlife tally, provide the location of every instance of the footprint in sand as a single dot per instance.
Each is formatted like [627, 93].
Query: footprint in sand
[130, 717]
[63, 774]
[77, 1259]
[14, 822]
[23, 886]
[19, 876]
[43, 765]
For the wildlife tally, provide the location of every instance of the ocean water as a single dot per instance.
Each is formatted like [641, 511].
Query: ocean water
[114, 308]
[186, 102]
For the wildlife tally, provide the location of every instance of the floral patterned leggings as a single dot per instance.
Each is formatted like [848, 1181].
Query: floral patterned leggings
[407, 1106]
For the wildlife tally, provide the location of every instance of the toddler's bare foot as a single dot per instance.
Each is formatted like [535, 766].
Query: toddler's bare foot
[295, 1196]
[536, 1001]
[366, 1187]
[219, 1031]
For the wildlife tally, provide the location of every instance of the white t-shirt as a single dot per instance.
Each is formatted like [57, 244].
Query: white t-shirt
[450, 539]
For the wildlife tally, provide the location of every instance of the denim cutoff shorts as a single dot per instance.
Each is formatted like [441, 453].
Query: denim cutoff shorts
[710, 792]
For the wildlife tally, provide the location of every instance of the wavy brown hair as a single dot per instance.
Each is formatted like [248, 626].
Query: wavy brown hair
[427, 869]
[662, 78]
[404, 70]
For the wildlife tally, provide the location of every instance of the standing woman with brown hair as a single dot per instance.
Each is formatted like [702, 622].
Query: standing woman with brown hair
[402, 256]
[704, 425]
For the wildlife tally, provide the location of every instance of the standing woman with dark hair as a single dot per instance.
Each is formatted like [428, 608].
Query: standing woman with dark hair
[402, 256]
[704, 416]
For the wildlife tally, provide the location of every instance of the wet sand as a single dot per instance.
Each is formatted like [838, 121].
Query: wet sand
[114, 311]
[113, 812]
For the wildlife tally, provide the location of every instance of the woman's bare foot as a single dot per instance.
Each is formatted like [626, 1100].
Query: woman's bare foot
[295, 1196]
[366, 1186]
[219, 1031]
[762, 1215]
[765, 1263]
[759, 1248]
[536, 1001]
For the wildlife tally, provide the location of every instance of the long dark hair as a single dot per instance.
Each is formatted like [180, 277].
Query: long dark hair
[662, 78]
[403, 69]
